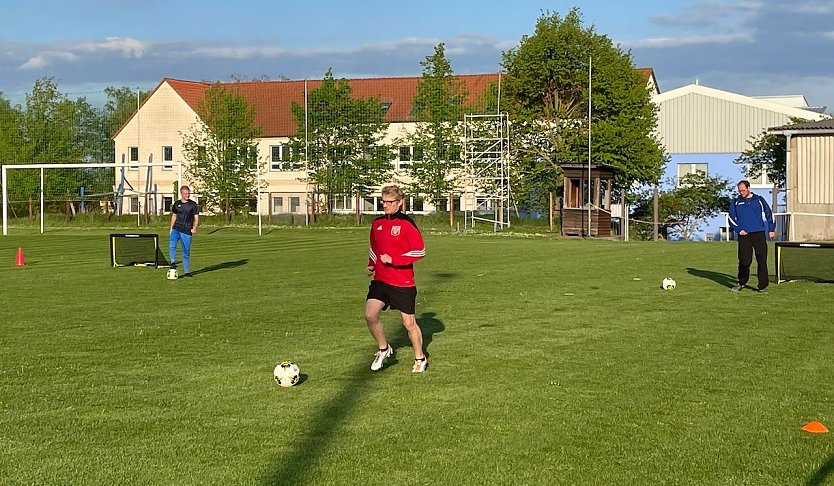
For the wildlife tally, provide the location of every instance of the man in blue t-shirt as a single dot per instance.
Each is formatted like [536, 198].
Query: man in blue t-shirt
[184, 219]
[750, 218]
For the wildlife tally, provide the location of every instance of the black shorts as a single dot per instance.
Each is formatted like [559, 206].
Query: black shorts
[403, 299]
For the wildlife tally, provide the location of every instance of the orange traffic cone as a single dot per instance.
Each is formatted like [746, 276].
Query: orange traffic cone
[815, 428]
[20, 261]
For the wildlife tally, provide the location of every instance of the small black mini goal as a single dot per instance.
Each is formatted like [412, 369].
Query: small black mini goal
[813, 262]
[140, 250]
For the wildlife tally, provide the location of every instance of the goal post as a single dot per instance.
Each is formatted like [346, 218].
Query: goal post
[812, 262]
[87, 188]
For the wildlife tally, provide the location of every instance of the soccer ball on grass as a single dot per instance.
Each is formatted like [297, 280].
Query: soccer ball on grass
[286, 374]
[172, 274]
[668, 284]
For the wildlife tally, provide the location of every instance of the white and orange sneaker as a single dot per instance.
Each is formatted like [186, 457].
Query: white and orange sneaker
[420, 365]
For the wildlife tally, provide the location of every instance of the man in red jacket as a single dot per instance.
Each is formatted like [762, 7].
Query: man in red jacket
[396, 244]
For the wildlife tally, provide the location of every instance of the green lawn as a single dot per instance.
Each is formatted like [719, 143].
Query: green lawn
[552, 362]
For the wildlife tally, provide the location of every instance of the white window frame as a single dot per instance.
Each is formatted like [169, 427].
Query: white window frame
[762, 183]
[297, 201]
[168, 167]
[691, 168]
[279, 199]
[403, 163]
[130, 151]
[284, 162]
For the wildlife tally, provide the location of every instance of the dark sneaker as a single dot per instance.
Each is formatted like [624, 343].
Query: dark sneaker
[761, 291]
[380, 357]
[737, 288]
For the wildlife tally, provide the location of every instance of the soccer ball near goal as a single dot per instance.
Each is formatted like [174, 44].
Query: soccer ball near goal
[668, 284]
[286, 374]
[172, 274]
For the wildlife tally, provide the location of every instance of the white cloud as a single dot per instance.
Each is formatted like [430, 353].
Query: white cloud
[669, 42]
[126, 46]
[45, 59]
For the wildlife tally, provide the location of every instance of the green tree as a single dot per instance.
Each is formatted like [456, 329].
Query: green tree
[767, 155]
[11, 134]
[687, 205]
[438, 109]
[548, 97]
[345, 153]
[222, 150]
[49, 123]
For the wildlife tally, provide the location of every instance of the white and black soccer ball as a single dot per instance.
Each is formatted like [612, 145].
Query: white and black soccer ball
[668, 284]
[286, 374]
[172, 274]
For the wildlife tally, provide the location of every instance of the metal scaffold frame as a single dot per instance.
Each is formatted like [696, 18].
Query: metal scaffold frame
[486, 160]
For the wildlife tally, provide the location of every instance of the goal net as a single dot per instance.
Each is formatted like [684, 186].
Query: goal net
[136, 250]
[104, 194]
[804, 261]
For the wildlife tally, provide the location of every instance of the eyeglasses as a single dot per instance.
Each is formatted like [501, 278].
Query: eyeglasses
[389, 202]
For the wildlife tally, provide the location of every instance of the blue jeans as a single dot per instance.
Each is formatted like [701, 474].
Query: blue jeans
[185, 238]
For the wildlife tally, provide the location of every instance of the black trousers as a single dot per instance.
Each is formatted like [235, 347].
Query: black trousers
[747, 244]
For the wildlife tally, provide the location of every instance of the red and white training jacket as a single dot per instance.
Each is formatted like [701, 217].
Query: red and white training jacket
[395, 235]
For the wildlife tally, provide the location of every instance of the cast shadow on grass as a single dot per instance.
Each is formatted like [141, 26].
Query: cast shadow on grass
[295, 466]
[221, 266]
[719, 278]
[821, 475]
[444, 275]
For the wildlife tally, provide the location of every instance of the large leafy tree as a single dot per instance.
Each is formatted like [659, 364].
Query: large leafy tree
[345, 153]
[548, 97]
[222, 150]
[438, 109]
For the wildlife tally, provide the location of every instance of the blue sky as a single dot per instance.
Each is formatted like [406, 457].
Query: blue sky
[754, 47]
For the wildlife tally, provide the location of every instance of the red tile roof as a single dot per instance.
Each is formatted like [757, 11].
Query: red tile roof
[273, 99]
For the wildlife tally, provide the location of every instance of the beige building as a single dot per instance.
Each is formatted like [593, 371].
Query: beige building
[155, 134]
[810, 179]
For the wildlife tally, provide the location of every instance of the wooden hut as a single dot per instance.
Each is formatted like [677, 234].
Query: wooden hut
[575, 200]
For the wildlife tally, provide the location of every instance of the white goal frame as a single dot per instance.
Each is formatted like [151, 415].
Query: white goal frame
[132, 166]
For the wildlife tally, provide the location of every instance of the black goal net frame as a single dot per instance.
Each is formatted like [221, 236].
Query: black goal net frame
[141, 250]
[813, 262]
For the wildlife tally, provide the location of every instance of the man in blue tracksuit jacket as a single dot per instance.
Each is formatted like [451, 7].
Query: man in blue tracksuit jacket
[750, 218]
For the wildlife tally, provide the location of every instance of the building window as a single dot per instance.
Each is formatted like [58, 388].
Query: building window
[417, 204]
[295, 202]
[763, 181]
[168, 158]
[134, 204]
[281, 158]
[405, 156]
[167, 202]
[133, 156]
[277, 205]
[691, 168]
[342, 203]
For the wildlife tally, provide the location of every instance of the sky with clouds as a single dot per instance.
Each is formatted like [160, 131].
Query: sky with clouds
[753, 47]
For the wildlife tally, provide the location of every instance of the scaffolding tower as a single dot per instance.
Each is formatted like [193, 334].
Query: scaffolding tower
[486, 160]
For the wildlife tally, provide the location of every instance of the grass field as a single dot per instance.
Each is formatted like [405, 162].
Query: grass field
[552, 362]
